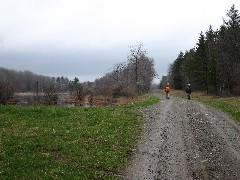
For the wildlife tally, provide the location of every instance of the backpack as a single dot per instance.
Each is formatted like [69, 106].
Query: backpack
[167, 89]
[188, 90]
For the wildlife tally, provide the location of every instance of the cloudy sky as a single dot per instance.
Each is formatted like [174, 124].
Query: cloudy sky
[85, 38]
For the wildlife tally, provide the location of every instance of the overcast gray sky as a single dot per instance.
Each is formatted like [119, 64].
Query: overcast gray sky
[85, 38]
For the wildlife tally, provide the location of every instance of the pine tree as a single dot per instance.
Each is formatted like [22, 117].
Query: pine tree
[177, 72]
[229, 51]
[200, 65]
[212, 78]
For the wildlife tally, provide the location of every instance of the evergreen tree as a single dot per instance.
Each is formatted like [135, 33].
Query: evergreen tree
[177, 72]
[188, 66]
[212, 78]
[229, 51]
[200, 65]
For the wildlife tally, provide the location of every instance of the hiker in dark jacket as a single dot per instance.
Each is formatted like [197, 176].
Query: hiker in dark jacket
[189, 91]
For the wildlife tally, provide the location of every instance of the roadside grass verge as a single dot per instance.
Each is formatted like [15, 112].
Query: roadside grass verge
[50, 142]
[229, 105]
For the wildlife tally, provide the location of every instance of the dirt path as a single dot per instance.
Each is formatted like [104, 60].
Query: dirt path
[184, 140]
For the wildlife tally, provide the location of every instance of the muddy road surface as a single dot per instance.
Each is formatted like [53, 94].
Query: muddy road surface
[184, 139]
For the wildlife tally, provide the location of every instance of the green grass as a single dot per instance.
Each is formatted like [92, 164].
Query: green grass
[40, 142]
[229, 105]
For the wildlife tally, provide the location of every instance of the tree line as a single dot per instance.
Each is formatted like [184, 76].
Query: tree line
[12, 81]
[27, 81]
[214, 64]
[126, 79]
[129, 78]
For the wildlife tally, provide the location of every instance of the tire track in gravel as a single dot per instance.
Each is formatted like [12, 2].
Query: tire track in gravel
[184, 139]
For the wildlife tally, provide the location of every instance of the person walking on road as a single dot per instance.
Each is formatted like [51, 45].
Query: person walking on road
[189, 91]
[167, 90]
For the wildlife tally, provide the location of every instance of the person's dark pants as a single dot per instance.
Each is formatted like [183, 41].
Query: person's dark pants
[167, 95]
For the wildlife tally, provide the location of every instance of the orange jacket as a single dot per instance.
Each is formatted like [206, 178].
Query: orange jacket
[167, 88]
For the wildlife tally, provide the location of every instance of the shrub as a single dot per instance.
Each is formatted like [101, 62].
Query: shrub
[123, 91]
[6, 92]
[50, 94]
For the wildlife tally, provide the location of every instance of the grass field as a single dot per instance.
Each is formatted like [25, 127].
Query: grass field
[50, 142]
[229, 105]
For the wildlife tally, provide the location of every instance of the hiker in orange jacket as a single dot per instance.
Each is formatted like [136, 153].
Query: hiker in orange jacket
[167, 90]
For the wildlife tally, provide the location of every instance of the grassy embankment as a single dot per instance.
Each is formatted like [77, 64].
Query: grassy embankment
[40, 142]
[229, 105]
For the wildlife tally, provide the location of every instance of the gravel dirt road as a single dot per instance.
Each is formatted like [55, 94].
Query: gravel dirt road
[184, 139]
